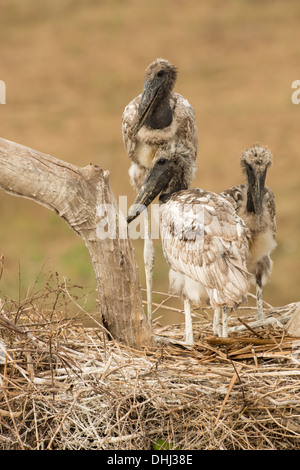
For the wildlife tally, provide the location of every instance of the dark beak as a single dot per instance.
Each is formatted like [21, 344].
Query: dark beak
[156, 181]
[258, 192]
[146, 104]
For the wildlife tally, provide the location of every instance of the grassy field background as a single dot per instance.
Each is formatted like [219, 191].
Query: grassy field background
[70, 67]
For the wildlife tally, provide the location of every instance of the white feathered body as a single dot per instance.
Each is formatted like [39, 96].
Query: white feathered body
[206, 246]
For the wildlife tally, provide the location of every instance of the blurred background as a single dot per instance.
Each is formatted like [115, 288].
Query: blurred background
[70, 67]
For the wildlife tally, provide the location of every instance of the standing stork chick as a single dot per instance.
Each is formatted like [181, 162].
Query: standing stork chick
[255, 204]
[155, 117]
[204, 242]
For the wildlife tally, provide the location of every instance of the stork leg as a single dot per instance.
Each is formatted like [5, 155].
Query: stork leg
[259, 298]
[217, 327]
[224, 322]
[189, 338]
[149, 256]
[220, 323]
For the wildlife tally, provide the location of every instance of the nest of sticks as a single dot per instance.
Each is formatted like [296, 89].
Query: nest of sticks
[65, 386]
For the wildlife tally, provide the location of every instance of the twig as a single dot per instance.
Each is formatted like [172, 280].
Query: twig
[84, 311]
[12, 416]
[249, 328]
[232, 382]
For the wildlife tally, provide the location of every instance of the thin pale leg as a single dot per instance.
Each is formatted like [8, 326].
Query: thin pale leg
[224, 322]
[216, 323]
[259, 299]
[149, 257]
[189, 337]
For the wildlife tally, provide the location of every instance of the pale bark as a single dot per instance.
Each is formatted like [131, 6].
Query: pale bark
[79, 196]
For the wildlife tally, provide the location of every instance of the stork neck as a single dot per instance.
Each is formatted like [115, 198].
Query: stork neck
[250, 203]
[161, 115]
[175, 186]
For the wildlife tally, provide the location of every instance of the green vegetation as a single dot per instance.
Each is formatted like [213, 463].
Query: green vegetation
[162, 444]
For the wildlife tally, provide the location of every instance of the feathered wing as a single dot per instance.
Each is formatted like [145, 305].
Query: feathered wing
[269, 200]
[129, 112]
[204, 239]
[186, 121]
[263, 267]
[236, 196]
[137, 171]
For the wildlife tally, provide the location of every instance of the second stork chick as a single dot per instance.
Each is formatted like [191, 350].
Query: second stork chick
[255, 204]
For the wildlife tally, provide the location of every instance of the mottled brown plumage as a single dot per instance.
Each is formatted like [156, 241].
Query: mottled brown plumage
[255, 204]
[158, 116]
[203, 239]
[169, 118]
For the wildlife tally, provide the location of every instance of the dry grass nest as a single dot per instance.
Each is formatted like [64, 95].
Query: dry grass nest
[65, 386]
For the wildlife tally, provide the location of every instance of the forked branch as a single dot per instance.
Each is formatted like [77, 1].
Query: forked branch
[84, 199]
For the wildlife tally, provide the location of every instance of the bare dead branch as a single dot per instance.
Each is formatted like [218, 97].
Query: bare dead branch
[78, 195]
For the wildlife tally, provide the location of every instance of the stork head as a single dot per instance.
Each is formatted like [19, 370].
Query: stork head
[173, 170]
[255, 162]
[160, 78]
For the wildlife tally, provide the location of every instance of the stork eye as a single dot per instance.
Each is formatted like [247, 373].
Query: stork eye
[162, 161]
[160, 73]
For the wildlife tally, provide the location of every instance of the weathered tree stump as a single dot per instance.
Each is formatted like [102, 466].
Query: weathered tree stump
[84, 199]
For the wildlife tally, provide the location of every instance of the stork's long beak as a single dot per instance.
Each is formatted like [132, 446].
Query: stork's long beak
[257, 192]
[156, 181]
[146, 104]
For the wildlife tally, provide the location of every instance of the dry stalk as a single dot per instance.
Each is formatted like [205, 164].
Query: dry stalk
[64, 387]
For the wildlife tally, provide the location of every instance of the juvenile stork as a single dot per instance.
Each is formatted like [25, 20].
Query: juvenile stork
[156, 117]
[204, 242]
[255, 204]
